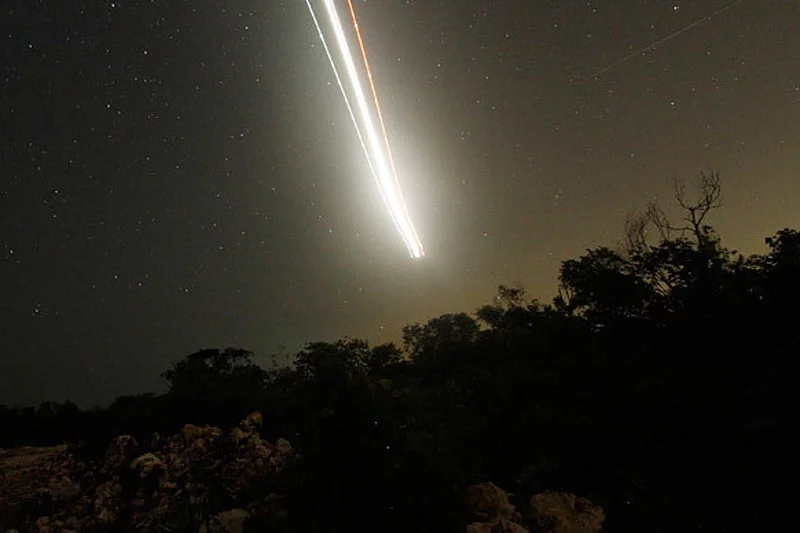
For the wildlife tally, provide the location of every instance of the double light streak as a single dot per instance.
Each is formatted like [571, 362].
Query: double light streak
[381, 165]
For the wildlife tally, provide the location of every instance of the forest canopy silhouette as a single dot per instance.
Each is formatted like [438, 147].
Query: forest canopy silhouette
[658, 382]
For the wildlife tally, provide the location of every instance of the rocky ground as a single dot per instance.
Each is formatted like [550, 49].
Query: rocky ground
[548, 512]
[209, 481]
[200, 480]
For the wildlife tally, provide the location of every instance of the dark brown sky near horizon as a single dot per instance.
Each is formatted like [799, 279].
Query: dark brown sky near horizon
[183, 175]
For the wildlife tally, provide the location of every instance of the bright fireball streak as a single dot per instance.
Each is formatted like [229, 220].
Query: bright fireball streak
[380, 115]
[341, 85]
[386, 182]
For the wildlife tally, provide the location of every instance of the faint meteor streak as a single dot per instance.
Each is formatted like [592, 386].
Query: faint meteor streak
[667, 38]
[381, 166]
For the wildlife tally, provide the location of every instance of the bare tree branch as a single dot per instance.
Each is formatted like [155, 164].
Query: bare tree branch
[695, 212]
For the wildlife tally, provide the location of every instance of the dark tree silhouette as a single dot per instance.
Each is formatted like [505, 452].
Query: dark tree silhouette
[659, 383]
[438, 333]
[215, 386]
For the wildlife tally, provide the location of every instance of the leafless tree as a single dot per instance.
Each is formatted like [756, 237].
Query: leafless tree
[695, 213]
[693, 222]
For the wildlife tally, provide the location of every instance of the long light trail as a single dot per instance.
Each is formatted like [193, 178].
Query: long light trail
[340, 84]
[372, 87]
[382, 171]
[669, 37]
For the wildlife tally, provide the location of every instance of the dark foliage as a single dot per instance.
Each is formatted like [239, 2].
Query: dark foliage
[659, 384]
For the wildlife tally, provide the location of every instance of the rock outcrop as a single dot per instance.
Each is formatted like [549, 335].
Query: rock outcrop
[550, 512]
[200, 479]
[487, 502]
[561, 512]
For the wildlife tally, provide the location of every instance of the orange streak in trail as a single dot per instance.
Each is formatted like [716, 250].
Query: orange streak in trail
[374, 93]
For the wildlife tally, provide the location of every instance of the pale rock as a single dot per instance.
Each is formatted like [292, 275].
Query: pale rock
[146, 464]
[562, 512]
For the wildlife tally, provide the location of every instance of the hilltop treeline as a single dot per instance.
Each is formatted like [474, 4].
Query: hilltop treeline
[659, 383]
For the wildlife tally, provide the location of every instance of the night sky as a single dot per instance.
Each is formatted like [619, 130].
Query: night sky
[180, 175]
